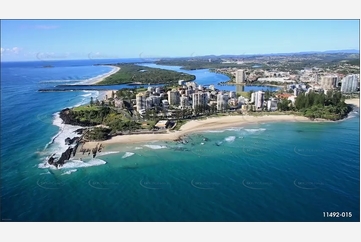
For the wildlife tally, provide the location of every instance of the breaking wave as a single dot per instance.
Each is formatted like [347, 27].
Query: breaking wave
[230, 138]
[156, 147]
[75, 164]
[255, 130]
[69, 172]
[127, 154]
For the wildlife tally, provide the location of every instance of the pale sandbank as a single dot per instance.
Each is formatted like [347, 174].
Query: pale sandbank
[100, 78]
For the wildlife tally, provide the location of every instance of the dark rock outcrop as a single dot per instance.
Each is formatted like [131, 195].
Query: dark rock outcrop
[69, 141]
[64, 157]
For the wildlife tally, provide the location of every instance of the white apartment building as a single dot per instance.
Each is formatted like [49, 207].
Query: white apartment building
[272, 104]
[350, 83]
[140, 101]
[328, 82]
[184, 101]
[173, 97]
[259, 99]
[222, 101]
[199, 99]
[240, 76]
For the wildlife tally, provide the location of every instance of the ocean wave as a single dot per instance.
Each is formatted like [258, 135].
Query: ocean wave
[138, 148]
[156, 147]
[87, 96]
[69, 172]
[255, 130]
[127, 154]
[74, 164]
[235, 129]
[57, 144]
[107, 153]
[230, 138]
[349, 117]
[214, 131]
[223, 130]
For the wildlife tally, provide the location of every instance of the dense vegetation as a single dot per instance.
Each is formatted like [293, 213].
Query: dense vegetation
[313, 105]
[98, 133]
[190, 64]
[131, 73]
[91, 115]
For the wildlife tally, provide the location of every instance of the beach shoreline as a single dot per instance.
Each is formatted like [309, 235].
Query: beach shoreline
[100, 78]
[97, 79]
[199, 126]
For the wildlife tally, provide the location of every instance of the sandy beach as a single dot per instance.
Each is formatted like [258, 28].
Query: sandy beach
[194, 126]
[100, 78]
[353, 101]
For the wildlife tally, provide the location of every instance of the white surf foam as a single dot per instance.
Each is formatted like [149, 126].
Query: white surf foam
[127, 154]
[348, 117]
[156, 147]
[57, 144]
[69, 172]
[235, 129]
[107, 153]
[255, 130]
[138, 148]
[74, 164]
[230, 138]
[80, 164]
[223, 130]
[214, 131]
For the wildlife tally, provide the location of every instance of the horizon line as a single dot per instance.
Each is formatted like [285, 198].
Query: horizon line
[206, 55]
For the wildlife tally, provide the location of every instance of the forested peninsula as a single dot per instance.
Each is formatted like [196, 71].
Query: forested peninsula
[132, 73]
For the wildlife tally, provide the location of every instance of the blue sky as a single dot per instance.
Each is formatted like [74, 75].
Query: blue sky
[83, 39]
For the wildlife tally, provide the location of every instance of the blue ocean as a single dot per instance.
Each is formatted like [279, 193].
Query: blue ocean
[264, 172]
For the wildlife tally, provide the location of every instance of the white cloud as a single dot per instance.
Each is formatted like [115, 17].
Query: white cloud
[13, 50]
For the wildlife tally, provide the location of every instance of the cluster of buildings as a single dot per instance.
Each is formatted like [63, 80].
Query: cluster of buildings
[316, 78]
[190, 95]
[346, 84]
